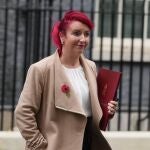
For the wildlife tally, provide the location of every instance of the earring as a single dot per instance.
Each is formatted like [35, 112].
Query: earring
[62, 42]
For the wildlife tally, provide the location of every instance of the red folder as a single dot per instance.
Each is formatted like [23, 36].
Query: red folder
[107, 82]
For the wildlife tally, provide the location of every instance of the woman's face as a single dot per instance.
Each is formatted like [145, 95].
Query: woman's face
[76, 37]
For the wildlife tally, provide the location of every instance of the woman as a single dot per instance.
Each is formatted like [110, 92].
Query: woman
[58, 108]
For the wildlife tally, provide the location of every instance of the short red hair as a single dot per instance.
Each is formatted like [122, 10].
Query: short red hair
[61, 25]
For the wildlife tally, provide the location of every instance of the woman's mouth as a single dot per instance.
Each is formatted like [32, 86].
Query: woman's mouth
[81, 46]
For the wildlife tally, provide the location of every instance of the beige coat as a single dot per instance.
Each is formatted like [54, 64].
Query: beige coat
[47, 118]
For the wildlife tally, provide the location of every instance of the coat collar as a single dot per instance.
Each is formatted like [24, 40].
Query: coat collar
[71, 103]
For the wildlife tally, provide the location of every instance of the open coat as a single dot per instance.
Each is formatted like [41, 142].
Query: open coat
[49, 119]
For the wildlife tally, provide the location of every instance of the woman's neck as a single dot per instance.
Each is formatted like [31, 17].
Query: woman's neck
[70, 61]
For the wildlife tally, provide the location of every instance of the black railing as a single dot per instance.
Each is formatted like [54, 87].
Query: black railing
[25, 38]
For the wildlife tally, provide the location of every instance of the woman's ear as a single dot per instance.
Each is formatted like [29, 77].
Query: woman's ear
[61, 36]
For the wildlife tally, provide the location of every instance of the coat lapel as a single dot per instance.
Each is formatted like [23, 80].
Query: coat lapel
[69, 102]
[96, 109]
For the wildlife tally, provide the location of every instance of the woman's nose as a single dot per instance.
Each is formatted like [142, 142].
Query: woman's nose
[83, 38]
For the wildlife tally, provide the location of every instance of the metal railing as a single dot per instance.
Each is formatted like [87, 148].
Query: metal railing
[25, 38]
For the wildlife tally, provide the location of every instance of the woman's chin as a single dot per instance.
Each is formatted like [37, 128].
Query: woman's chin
[81, 49]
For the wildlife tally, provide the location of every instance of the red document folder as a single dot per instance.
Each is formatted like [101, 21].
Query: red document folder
[107, 82]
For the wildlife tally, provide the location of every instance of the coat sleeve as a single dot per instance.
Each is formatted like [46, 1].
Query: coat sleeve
[27, 108]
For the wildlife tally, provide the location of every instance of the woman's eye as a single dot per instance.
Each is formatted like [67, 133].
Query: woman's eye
[77, 33]
[86, 34]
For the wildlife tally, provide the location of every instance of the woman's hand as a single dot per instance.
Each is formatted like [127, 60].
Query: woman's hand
[112, 107]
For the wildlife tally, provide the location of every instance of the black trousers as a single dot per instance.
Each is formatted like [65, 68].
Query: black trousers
[87, 140]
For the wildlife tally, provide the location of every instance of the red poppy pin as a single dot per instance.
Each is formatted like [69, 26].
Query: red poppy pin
[65, 89]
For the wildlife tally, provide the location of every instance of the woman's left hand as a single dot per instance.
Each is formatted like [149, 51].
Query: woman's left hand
[112, 107]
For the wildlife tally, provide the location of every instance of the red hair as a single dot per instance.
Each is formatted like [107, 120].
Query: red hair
[61, 25]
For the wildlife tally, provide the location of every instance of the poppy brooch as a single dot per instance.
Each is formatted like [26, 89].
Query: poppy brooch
[65, 89]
